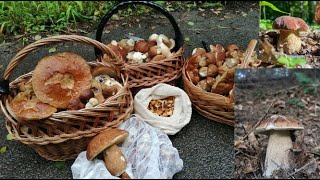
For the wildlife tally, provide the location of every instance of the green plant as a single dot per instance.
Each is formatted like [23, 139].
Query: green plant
[296, 102]
[308, 84]
[291, 62]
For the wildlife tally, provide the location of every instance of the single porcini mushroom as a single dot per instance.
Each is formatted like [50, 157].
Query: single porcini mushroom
[279, 129]
[75, 104]
[105, 143]
[118, 50]
[61, 77]
[104, 70]
[141, 46]
[289, 37]
[198, 51]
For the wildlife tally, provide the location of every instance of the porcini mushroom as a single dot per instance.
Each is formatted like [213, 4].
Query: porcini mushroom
[279, 129]
[289, 33]
[61, 77]
[105, 143]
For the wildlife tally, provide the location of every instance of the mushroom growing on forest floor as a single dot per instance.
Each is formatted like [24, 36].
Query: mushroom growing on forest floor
[289, 33]
[279, 128]
[106, 143]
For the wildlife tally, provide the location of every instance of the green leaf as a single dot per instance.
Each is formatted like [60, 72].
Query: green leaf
[297, 102]
[9, 137]
[59, 164]
[265, 3]
[299, 61]
[283, 60]
[3, 150]
[52, 50]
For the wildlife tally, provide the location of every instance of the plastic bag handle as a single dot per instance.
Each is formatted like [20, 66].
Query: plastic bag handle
[178, 35]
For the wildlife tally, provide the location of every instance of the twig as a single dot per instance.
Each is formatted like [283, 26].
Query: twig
[248, 53]
[262, 117]
[304, 166]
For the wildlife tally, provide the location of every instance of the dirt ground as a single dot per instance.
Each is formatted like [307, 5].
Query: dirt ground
[258, 97]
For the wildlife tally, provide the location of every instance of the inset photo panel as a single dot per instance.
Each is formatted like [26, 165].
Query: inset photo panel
[277, 123]
[289, 34]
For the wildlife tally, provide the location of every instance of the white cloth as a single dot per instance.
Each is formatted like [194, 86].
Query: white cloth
[148, 151]
[182, 107]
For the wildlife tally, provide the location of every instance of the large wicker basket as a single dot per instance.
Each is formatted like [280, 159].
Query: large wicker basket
[64, 134]
[148, 74]
[211, 105]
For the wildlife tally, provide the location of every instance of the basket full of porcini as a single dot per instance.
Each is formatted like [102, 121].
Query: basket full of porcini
[58, 107]
[147, 62]
[208, 78]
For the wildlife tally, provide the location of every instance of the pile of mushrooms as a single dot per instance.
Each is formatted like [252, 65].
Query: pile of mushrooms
[156, 48]
[63, 81]
[214, 71]
[280, 131]
[105, 144]
[162, 107]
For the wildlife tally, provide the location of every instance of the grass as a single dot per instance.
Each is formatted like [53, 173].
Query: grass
[32, 17]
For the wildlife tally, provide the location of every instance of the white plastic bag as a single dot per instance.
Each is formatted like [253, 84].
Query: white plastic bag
[148, 151]
[182, 107]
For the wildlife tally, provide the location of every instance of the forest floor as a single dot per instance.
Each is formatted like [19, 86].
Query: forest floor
[310, 49]
[283, 97]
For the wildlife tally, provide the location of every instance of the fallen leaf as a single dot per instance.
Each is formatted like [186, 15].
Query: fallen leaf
[107, 31]
[52, 50]
[201, 10]
[187, 39]
[244, 14]
[59, 164]
[9, 137]
[216, 12]
[3, 150]
[191, 23]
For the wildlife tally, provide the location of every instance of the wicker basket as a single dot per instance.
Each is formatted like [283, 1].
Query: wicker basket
[211, 105]
[64, 134]
[148, 74]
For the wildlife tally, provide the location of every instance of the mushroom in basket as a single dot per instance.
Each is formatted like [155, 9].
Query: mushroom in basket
[59, 78]
[105, 143]
[156, 48]
[26, 106]
[214, 71]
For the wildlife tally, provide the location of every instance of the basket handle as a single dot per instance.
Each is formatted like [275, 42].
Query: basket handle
[178, 35]
[4, 83]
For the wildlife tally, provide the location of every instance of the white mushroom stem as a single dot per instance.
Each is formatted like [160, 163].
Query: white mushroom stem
[290, 41]
[162, 47]
[278, 149]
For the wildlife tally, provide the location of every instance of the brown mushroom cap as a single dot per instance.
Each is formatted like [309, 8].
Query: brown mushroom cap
[25, 108]
[278, 123]
[104, 140]
[290, 23]
[104, 70]
[60, 77]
